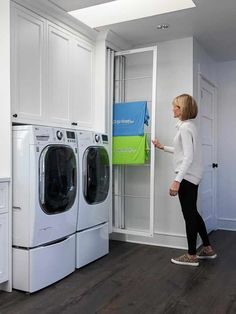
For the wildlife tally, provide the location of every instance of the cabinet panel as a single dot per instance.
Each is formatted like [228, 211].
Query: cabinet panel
[3, 197]
[82, 85]
[52, 72]
[3, 247]
[58, 75]
[27, 65]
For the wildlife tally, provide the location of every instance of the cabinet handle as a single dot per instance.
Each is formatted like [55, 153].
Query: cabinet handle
[14, 115]
[74, 123]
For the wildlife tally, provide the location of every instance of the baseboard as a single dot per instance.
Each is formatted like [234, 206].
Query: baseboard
[159, 239]
[227, 224]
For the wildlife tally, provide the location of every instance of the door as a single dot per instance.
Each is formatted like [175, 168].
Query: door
[59, 55]
[58, 179]
[207, 127]
[81, 84]
[96, 175]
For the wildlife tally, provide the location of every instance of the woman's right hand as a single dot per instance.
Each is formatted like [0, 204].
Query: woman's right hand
[157, 144]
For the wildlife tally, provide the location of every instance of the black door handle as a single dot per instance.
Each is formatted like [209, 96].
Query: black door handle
[214, 165]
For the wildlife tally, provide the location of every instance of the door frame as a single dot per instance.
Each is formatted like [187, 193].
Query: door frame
[118, 228]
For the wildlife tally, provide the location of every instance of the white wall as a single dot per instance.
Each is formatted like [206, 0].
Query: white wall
[175, 76]
[226, 145]
[5, 126]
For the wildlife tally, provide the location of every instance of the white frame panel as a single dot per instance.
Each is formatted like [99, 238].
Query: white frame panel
[120, 173]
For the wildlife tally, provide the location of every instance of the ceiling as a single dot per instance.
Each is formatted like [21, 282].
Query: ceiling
[212, 23]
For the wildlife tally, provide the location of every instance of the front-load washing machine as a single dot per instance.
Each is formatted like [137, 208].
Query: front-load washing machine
[44, 205]
[94, 197]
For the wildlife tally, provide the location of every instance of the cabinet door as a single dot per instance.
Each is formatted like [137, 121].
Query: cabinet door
[3, 247]
[58, 109]
[81, 87]
[3, 197]
[27, 60]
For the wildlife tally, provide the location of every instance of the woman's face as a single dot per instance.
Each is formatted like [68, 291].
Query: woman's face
[176, 110]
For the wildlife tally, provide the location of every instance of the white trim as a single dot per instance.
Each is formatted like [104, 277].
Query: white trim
[134, 196]
[133, 232]
[226, 223]
[132, 51]
[153, 131]
[163, 240]
[109, 114]
[114, 41]
[170, 234]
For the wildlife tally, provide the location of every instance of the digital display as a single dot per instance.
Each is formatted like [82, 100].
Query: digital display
[104, 138]
[70, 134]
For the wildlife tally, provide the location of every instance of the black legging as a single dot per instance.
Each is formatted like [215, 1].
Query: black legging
[193, 221]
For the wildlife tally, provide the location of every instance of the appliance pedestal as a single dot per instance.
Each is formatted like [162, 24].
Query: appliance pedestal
[91, 244]
[40, 267]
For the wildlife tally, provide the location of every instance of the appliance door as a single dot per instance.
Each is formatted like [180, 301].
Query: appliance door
[96, 174]
[58, 179]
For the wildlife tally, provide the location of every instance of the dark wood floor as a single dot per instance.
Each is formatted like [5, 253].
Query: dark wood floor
[137, 278]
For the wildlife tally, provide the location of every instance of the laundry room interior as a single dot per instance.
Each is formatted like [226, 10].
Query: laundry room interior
[86, 220]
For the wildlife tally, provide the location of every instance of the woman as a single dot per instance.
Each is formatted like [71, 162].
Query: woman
[188, 169]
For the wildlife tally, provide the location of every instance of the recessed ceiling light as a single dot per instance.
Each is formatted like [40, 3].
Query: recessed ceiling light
[162, 26]
[126, 10]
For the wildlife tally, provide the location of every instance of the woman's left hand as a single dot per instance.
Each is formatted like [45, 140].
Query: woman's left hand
[174, 188]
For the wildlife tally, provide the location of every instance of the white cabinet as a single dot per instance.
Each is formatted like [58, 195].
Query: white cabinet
[52, 71]
[81, 87]
[4, 238]
[70, 79]
[27, 61]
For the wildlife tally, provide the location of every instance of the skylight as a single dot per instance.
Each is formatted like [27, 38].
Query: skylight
[126, 10]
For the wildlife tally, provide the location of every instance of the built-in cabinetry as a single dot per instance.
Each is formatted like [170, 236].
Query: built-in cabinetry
[52, 72]
[4, 233]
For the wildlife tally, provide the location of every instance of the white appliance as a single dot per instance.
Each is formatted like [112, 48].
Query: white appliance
[44, 205]
[94, 197]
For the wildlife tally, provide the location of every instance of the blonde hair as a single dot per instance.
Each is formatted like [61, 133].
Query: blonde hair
[188, 105]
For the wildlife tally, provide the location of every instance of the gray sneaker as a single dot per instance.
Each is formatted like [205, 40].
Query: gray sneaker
[185, 260]
[203, 254]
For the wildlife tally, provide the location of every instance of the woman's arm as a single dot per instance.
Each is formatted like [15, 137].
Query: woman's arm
[187, 144]
[157, 144]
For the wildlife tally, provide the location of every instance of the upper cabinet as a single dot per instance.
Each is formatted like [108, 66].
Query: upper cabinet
[52, 71]
[81, 87]
[27, 61]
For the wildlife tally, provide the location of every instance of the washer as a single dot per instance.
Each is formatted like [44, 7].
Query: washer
[44, 205]
[94, 197]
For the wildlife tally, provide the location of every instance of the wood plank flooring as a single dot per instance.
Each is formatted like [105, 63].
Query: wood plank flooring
[139, 279]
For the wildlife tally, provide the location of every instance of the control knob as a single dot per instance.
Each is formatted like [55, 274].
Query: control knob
[59, 135]
[97, 138]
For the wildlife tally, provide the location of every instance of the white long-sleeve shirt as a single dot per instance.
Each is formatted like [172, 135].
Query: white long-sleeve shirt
[187, 152]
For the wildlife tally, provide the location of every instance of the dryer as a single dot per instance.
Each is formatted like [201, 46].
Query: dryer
[94, 197]
[44, 205]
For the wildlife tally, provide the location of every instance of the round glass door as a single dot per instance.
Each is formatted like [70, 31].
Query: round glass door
[96, 174]
[58, 179]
